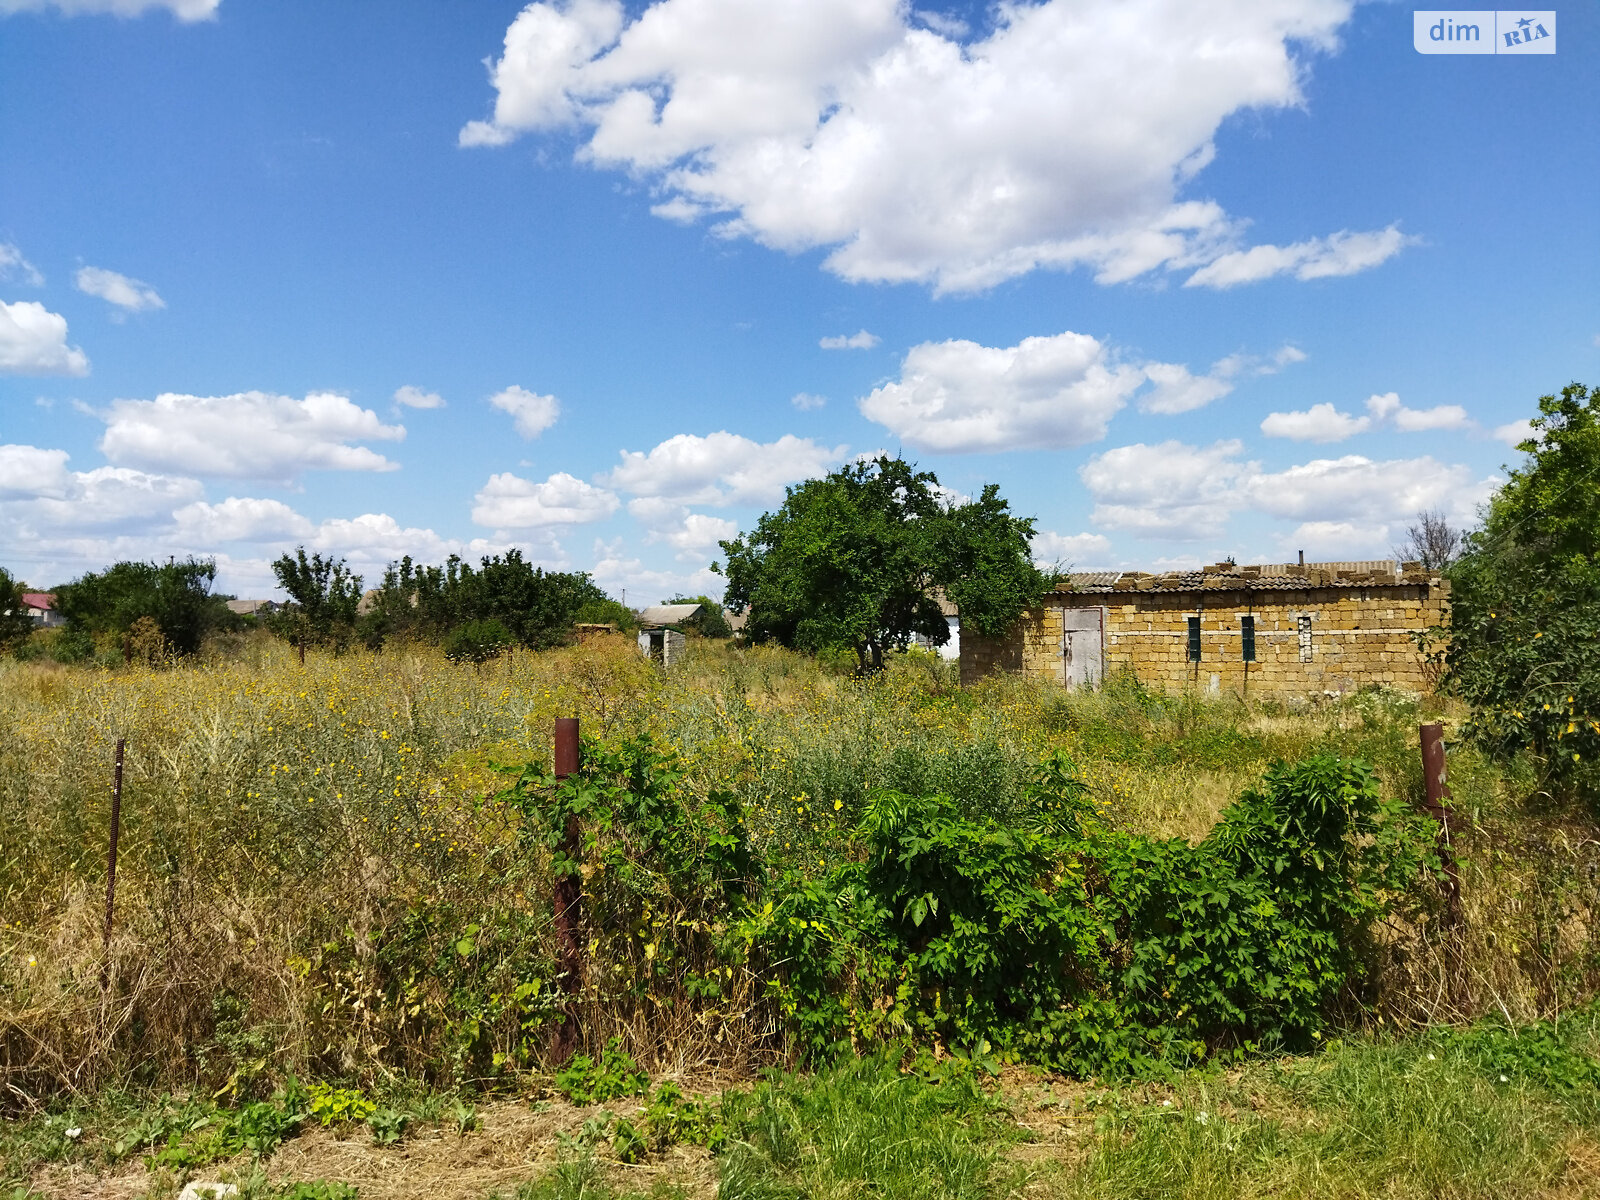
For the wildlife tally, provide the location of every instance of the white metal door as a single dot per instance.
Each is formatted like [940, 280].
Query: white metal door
[1083, 651]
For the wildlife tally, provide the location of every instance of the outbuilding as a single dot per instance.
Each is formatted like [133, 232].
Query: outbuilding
[660, 631]
[1287, 629]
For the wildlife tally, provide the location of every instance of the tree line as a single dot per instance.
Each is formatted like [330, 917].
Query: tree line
[171, 608]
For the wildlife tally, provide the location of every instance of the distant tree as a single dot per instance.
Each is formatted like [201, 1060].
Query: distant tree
[324, 594]
[606, 611]
[855, 560]
[537, 607]
[15, 623]
[710, 621]
[175, 596]
[1432, 541]
[1523, 639]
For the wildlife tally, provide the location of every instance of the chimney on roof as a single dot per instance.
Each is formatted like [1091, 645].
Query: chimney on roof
[1302, 558]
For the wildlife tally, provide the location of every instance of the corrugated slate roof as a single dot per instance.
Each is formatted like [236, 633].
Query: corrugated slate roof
[667, 614]
[1270, 577]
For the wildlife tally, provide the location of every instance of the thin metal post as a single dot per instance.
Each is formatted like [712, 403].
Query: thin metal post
[111, 862]
[1437, 796]
[568, 901]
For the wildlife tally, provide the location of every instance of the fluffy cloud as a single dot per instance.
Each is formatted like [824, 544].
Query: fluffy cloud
[1070, 550]
[14, 266]
[240, 519]
[415, 397]
[853, 341]
[1171, 490]
[184, 10]
[915, 154]
[31, 471]
[249, 435]
[130, 295]
[508, 501]
[721, 468]
[1324, 423]
[531, 413]
[57, 503]
[1319, 423]
[693, 535]
[1180, 492]
[33, 341]
[1387, 407]
[806, 401]
[1044, 392]
[1356, 488]
[1514, 433]
[1343, 253]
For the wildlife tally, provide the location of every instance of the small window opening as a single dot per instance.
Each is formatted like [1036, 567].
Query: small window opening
[1305, 638]
[1194, 639]
[1247, 638]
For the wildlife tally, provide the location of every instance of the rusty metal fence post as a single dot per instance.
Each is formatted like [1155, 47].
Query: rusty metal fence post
[111, 863]
[568, 901]
[1437, 795]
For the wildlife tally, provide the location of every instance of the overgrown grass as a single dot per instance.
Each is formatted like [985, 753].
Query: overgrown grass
[317, 877]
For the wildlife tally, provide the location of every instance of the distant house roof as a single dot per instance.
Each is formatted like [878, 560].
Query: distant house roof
[1265, 577]
[40, 600]
[668, 614]
[245, 608]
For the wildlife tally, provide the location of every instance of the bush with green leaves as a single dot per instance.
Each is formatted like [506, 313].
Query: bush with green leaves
[1523, 641]
[1053, 938]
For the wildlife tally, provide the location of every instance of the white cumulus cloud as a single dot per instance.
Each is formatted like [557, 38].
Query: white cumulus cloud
[807, 402]
[415, 397]
[721, 468]
[852, 341]
[508, 501]
[1514, 433]
[1042, 393]
[693, 535]
[32, 471]
[248, 435]
[1324, 423]
[240, 519]
[1319, 423]
[184, 10]
[1171, 490]
[530, 412]
[911, 150]
[33, 341]
[130, 295]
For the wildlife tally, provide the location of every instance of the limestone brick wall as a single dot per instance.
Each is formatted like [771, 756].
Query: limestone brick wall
[1358, 635]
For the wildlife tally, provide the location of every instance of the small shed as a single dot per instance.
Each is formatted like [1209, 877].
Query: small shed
[660, 631]
[1285, 628]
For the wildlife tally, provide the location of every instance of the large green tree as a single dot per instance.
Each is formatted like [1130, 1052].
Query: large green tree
[1523, 641]
[175, 595]
[856, 560]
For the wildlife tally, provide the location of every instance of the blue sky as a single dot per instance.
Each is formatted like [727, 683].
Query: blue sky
[1185, 280]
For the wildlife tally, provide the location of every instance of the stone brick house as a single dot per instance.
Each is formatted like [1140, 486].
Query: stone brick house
[1289, 629]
